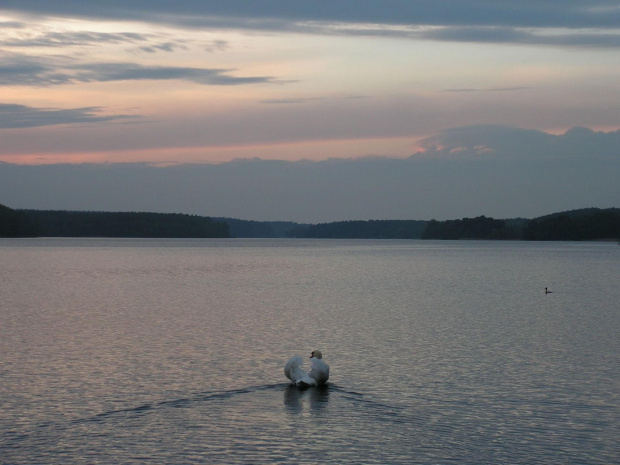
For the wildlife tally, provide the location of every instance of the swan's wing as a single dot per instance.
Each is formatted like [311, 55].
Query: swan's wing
[296, 374]
[292, 367]
[319, 371]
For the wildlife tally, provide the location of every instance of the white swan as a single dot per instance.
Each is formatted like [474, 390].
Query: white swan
[318, 374]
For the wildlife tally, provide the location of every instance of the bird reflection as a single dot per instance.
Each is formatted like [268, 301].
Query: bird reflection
[296, 399]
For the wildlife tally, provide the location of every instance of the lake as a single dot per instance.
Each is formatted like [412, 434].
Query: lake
[148, 351]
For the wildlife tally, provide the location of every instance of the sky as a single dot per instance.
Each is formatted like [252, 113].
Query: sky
[155, 85]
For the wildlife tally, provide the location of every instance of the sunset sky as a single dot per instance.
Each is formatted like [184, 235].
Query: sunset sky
[310, 110]
[186, 81]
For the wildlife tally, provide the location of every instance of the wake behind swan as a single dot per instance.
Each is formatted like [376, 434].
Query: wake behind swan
[317, 376]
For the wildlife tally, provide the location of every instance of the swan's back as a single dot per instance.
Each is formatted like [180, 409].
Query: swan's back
[319, 370]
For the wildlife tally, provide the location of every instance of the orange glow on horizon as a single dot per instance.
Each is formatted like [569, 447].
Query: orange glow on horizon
[287, 151]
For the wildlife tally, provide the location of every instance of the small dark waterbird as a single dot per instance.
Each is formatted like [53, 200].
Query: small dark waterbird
[547, 291]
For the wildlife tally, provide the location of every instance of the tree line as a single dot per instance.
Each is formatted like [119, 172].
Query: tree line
[581, 225]
[469, 228]
[574, 225]
[58, 223]
[14, 223]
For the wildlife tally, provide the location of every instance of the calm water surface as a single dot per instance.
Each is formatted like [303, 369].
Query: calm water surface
[172, 351]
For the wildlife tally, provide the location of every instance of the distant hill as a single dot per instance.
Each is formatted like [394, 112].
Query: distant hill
[581, 212]
[576, 225]
[14, 223]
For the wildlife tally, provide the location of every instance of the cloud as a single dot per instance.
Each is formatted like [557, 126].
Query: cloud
[21, 116]
[68, 39]
[489, 89]
[12, 25]
[93, 39]
[476, 34]
[511, 35]
[217, 46]
[31, 71]
[142, 42]
[103, 72]
[557, 23]
[18, 70]
[504, 143]
[454, 20]
[162, 47]
[543, 13]
[289, 101]
[521, 182]
[547, 23]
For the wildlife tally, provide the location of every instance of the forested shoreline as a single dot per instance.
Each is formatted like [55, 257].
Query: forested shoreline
[575, 225]
[58, 223]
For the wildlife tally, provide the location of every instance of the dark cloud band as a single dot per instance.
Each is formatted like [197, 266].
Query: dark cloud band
[14, 116]
[48, 72]
[564, 23]
[277, 13]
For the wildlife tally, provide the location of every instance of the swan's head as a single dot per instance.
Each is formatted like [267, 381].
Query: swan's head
[316, 354]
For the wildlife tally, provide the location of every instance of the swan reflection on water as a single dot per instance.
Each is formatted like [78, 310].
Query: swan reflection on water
[296, 400]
